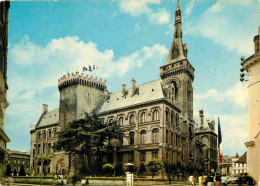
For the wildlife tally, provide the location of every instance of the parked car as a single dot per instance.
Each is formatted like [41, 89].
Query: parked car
[232, 180]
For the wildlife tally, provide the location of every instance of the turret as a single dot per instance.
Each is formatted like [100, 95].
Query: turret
[79, 94]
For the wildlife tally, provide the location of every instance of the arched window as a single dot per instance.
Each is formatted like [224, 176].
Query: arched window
[167, 115]
[132, 119]
[39, 149]
[177, 120]
[172, 138]
[39, 135]
[167, 135]
[43, 148]
[44, 135]
[54, 133]
[110, 120]
[172, 117]
[120, 121]
[143, 134]
[143, 117]
[49, 148]
[49, 133]
[132, 137]
[155, 135]
[155, 115]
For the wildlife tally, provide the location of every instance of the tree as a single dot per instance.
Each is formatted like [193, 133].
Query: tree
[8, 170]
[22, 171]
[108, 168]
[87, 137]
[154, 165]
[46, 162]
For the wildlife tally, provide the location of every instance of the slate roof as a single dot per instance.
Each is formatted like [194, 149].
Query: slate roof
[198, 123]
[242, 159]
[49, 118]
[145, 93]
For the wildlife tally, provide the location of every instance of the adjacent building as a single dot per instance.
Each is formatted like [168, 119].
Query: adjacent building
[252, 66]
[239, 165]
[16, 159]
[226, 166]
[206, 136]
[4, 7]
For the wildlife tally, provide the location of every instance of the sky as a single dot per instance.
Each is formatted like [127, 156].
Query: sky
[129, 39]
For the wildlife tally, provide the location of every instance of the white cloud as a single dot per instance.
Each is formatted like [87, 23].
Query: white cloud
[142, 7]
[233, 31]
[238, 95]
[160, 17]
[136, 7]
[72, 54]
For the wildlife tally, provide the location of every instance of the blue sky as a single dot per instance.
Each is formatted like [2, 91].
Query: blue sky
[128, 39]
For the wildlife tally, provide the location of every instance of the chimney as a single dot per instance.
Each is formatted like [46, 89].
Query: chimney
[201, 118]
[256, 41]
[123, 89]
[133, 87]
[44, 108]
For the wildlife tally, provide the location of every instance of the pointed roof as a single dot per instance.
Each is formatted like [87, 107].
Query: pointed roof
[242, 159]
[178, 6]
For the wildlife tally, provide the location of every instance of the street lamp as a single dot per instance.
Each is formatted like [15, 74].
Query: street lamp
[115, 143]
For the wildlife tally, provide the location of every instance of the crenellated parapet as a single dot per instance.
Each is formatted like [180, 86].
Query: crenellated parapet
[79, 79]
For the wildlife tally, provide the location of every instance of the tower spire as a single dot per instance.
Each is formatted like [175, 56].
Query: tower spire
[178, 51]
[178, 6]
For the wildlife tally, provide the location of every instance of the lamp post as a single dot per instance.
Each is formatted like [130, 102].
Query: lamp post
[115, 143]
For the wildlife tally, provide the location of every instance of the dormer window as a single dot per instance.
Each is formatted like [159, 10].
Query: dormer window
[175, 52]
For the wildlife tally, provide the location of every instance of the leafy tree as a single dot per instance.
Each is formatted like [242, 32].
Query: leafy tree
[154, 165]
[108, 168]
[46, 162]
[87, 137]
[8, 170]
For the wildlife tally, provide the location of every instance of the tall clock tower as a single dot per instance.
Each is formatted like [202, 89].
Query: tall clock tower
[177, 74]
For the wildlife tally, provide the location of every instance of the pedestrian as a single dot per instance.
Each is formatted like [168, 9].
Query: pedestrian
[205, 180]
[191, 180]
[210, 181]
[170, 180]
[200, 180]
[218, 181]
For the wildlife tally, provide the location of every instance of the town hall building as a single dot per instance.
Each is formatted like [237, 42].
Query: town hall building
[157, 116]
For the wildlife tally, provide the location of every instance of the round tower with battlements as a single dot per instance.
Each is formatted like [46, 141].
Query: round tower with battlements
[79, 94]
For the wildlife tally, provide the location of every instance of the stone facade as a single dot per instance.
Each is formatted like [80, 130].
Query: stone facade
[157, 116]
[252, 67]
[17, 158]
[205, 134]
[4, 7]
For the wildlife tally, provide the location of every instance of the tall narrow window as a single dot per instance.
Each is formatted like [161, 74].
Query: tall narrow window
[167, 115]
[132, 119]
[49, 148]
[120, 121]
[155, 115]
[172, 138]
[132, 137]
[143, 134]
[143, 117]
[39, 149]
[142, 156]
[175, 52]
[155, 135]
[177, 120]
[167, 135]
[172, 117]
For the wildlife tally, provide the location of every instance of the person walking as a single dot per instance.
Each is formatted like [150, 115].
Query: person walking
[191, 180]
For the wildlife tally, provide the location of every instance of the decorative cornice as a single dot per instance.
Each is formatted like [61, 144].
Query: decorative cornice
[174, 72]
[249, 144]
[251, 60]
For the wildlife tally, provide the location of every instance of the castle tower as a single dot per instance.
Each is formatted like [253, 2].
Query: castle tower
[79, 94]
[177, 74]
